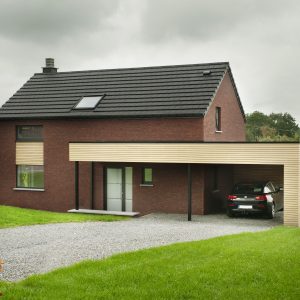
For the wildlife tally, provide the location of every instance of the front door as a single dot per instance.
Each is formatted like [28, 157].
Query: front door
[119, 189]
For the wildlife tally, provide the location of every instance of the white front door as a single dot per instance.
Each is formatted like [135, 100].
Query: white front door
[119, 189]
[114, 189]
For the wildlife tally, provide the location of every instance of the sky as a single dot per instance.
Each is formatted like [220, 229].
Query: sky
[260, 39]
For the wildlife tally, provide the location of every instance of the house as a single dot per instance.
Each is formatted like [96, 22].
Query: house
[131, 140]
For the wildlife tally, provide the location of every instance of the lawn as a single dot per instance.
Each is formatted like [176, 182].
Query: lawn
[263, 265]
[14, 216]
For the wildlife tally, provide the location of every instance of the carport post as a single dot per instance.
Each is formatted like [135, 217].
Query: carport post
[76, 186]
[92, 185]
[189, 192]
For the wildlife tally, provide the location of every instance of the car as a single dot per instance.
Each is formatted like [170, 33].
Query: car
[255, 197]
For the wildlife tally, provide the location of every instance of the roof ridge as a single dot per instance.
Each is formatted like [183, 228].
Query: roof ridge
[143, 68]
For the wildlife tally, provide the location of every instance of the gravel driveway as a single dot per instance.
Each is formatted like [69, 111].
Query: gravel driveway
[40, 248]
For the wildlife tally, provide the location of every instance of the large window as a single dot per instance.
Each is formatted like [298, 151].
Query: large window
[218, 119]
[29, 133]
[147, 176]
[30, 177]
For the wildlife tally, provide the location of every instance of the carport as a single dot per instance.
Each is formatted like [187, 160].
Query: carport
[219, 180]
[284, 156]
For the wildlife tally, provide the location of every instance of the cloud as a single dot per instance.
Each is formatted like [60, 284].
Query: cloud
[44, 21]
[205, 20]
[260, 39]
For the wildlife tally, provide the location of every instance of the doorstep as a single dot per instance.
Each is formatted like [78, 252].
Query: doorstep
[104, 212]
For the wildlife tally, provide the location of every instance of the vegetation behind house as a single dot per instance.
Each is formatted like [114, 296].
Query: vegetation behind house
[275, 127]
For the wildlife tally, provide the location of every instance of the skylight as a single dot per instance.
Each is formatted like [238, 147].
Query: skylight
[88, 102]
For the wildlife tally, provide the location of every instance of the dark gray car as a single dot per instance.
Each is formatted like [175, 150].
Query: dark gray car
[255, 197]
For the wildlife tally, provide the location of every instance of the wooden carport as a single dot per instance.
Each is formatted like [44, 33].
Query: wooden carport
[278, 154]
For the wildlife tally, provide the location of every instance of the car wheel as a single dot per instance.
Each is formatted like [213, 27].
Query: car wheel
[230, 214]
[271, 211]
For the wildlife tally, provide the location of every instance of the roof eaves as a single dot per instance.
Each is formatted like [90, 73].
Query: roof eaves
[215, 92]
[228, 69]
[67, 116]
[236, 92]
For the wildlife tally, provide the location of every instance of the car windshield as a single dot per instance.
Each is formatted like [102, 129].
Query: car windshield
[248, 188]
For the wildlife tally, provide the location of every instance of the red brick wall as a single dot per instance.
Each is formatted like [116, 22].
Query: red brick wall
[259, 172]
[232, 122]
[169, 191]
[59, 172]
[216, 199]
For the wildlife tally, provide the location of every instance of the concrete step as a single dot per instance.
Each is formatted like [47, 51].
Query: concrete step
[104, 212]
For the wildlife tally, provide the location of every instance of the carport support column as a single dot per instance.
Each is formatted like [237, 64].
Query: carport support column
[92, 185]
[76, 185]
[189, 175]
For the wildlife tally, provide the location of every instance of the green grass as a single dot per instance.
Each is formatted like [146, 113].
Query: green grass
[264, 265]
[14, 216]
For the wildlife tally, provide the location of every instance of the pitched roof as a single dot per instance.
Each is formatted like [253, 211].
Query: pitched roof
[169, 91]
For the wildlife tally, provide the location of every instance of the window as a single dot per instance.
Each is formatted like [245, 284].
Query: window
[29, 133]
[88, 102]
[248, 188]
[30, 177]
[218, 118]
[147, 176]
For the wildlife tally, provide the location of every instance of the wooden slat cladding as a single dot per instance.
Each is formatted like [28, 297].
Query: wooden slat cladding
[30, 153]
[291, 194]
[222, 153]
[286, 155]
[299, 185]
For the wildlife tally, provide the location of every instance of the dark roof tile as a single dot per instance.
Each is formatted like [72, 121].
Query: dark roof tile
[170, 91]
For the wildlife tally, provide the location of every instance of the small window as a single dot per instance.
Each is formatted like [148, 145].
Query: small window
[88, 102]
[147, 176]
[30, 177]
[218, 118]
[29, 133]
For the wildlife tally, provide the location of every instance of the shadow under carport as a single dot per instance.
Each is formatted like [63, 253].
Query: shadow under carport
[220, 179]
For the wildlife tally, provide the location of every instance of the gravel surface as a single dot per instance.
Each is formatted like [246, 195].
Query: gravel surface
[40, 248]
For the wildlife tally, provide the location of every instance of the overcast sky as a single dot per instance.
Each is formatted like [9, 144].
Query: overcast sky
[260, 39]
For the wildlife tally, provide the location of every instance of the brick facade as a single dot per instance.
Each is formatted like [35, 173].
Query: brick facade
[169, 193]
[232, 121]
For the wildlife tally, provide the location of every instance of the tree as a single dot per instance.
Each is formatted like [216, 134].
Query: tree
[274, 127]
[255, 121]
[284, 124]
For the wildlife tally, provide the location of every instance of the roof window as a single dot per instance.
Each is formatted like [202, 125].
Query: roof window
[88, 102]
[206, 72]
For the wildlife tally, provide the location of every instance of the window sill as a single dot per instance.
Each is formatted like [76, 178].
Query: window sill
[30, 141]
[218, 131]
[146, 184]
[29, 189]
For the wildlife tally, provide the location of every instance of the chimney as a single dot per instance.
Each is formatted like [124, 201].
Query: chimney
[50, 68]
